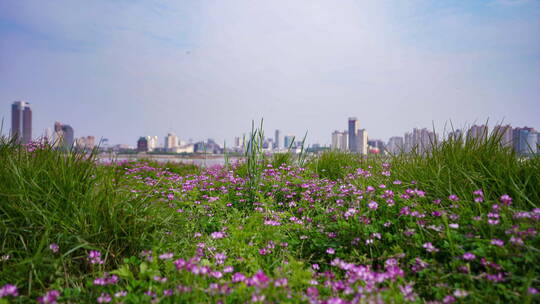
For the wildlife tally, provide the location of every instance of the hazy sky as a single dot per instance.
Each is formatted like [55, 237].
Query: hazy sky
[204, 69]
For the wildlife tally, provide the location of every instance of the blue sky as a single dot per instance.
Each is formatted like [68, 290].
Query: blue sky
[204, 69]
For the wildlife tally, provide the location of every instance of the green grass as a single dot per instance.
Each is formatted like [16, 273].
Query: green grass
[460, 167]
[51, 197]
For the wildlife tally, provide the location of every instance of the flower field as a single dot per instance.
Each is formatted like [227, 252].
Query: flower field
[459, 225]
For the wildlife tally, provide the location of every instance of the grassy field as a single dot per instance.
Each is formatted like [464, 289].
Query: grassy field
[457, 225]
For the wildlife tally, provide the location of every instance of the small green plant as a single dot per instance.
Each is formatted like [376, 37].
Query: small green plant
[334, 164]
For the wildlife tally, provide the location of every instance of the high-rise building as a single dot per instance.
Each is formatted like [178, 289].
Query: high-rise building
[524, 140]
[171, 142]
[340, 140]
[58, 135]
[152, 142]
[238, 142]
[48, 135]
[288, 140]
[277, 140]
[90, 142]
[69, 136]
[142, 144]
[353, 131]
[408, 142]
[477, 133]
[64, 136]
[503, 134]
[21, 122]
[361, 141]
[456, 135]
[395, 145]
[420, 140]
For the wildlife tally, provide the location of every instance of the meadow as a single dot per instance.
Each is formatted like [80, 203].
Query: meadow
[459, 225]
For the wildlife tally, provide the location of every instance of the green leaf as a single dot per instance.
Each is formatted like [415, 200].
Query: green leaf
[124, 272]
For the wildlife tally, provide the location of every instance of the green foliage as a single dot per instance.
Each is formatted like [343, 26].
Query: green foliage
[462, 166]
[47, 196]
[334, 164]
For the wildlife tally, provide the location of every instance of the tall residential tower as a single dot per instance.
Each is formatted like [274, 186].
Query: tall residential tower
[353, 131]
[21, 121]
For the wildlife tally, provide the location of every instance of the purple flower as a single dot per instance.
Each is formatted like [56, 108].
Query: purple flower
[54, 247]
[497, 242]
[94, 257]
[120, 294]
[104, 298]
[50, 297]
[217, 235]
[166, 256]
[449, 299]
[373, 205]
[468, 256]
[429, 247]
[453, 198]
[259, 279]
[312, 292]
[282, 282]
[9, 290]
[506, 199]
[330, 250]
[238, 277]
[459, 293]
[532, 290]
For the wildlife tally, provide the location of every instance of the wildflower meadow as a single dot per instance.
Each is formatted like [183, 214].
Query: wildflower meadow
[457, 225]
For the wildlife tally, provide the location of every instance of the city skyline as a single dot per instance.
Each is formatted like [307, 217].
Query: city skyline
[21, 119]
[523, 140]
[206, 70]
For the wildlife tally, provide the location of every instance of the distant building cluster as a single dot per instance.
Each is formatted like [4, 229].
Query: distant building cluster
[353, 139]
[63, 136]
[173, 144]
[525, 141]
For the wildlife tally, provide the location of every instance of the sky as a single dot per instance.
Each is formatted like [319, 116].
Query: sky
[121, 69]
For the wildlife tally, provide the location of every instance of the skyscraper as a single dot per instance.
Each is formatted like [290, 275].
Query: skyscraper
[340, 140]
[456, 136]
[58, 135]
[353, 130]
[171, 142]
[361, 142]
[69, 136]
[64, 136]
[477, 133]
[277, 140]
[421, 140]
[288, 141]
[524, 140]
[142, 144]
[503, 134]
[47, 135]
[395, 145]
[21, 121]
[408, 144]
[152, 142]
